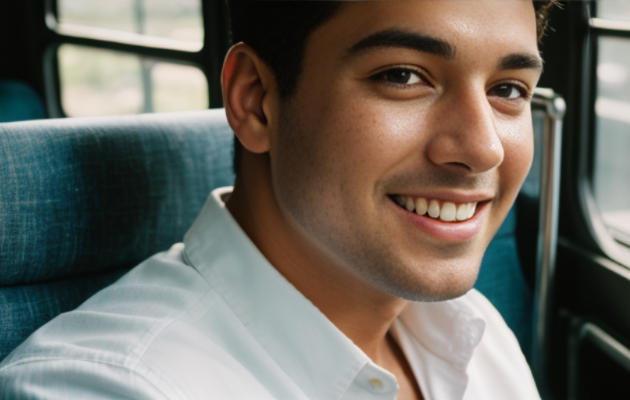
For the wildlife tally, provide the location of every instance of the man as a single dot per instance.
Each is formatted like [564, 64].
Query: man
[383, 144]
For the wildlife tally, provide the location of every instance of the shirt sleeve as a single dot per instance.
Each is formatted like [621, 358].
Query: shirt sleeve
[64, 379]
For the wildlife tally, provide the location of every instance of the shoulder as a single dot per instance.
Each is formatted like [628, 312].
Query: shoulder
[104, 339]
[49, 378]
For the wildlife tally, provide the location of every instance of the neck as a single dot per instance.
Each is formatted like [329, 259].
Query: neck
[361, 311]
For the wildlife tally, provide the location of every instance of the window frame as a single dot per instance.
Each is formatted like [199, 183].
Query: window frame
[591, 280]
[208, 59]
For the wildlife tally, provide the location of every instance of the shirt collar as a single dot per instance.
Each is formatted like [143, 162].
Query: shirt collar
[449, 329]
[439, 340]
[318, 357]
[304, 343]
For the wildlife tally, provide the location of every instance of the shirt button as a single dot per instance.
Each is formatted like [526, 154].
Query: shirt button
[376, 384]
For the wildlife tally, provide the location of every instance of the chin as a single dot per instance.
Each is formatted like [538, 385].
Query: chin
[445, 281]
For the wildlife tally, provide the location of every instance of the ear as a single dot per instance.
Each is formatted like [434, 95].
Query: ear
[247, 83]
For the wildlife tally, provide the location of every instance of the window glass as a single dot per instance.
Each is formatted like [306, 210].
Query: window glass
[614, 9]
[178, 88]
[174, 19]
[170, 19]
[110, 14]
[103, 82]
[612, 108]
[99, 82]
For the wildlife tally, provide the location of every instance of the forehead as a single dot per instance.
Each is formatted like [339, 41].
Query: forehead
[486, 25]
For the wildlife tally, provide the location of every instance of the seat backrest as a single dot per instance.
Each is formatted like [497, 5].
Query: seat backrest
[502, 281]
[19, 102]
[83, 200]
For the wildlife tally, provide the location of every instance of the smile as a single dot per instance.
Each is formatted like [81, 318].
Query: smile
[447, 221]
[443, 210]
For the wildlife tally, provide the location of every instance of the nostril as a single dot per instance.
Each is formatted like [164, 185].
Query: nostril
[459, 164]
[469, 149]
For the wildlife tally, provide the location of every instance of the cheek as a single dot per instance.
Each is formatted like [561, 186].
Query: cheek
[518, 144]
[368, 138]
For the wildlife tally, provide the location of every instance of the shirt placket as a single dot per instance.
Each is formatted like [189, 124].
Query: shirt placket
[372, 383]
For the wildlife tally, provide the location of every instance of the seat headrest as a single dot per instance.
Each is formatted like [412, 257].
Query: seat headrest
[83, 195]
[19, 102]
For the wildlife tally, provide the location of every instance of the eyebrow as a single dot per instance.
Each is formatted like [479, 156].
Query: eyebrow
[438, 47]
[521, 61]
[405, 39]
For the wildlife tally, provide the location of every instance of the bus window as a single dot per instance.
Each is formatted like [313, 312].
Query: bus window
[612, 108]
[127, 57]
[176, 22]
[104, 82]
[591, 329]
[99, 82]
[178, 87]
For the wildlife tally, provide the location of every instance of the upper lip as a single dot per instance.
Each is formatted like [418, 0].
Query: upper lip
[449, 196]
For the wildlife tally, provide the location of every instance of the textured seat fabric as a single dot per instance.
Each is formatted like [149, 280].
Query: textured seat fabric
[82, 200]
[19, 102]
[23, 309]
[502, 281]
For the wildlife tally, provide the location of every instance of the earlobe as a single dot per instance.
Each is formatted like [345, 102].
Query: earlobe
[245, 81]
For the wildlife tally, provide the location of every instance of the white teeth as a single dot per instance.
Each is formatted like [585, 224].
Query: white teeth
[448, 212]
[434, 209]
[472, 209]
[421, 206]
[462, 212]
[410, 204]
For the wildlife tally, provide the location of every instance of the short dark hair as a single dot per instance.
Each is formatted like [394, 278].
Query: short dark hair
[278, 31]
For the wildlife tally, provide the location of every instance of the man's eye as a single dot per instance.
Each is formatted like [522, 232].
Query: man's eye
[400, 76]
[507, 91]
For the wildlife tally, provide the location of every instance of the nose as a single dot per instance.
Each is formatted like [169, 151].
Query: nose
[467, 138]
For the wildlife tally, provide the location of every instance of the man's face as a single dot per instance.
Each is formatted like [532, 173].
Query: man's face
[405, 102]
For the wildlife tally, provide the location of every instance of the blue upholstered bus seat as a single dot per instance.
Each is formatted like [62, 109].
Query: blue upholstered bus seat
[19, 102]
[502, 281]
[83, 200]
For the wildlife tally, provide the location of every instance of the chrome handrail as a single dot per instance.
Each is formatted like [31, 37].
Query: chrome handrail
[554, 107]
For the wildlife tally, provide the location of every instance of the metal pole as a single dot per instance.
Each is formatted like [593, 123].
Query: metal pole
[548, 232]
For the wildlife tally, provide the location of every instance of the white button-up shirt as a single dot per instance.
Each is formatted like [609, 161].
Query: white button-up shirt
[212, 319]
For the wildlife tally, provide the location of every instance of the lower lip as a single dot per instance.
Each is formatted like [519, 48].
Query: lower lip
[446, 231]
